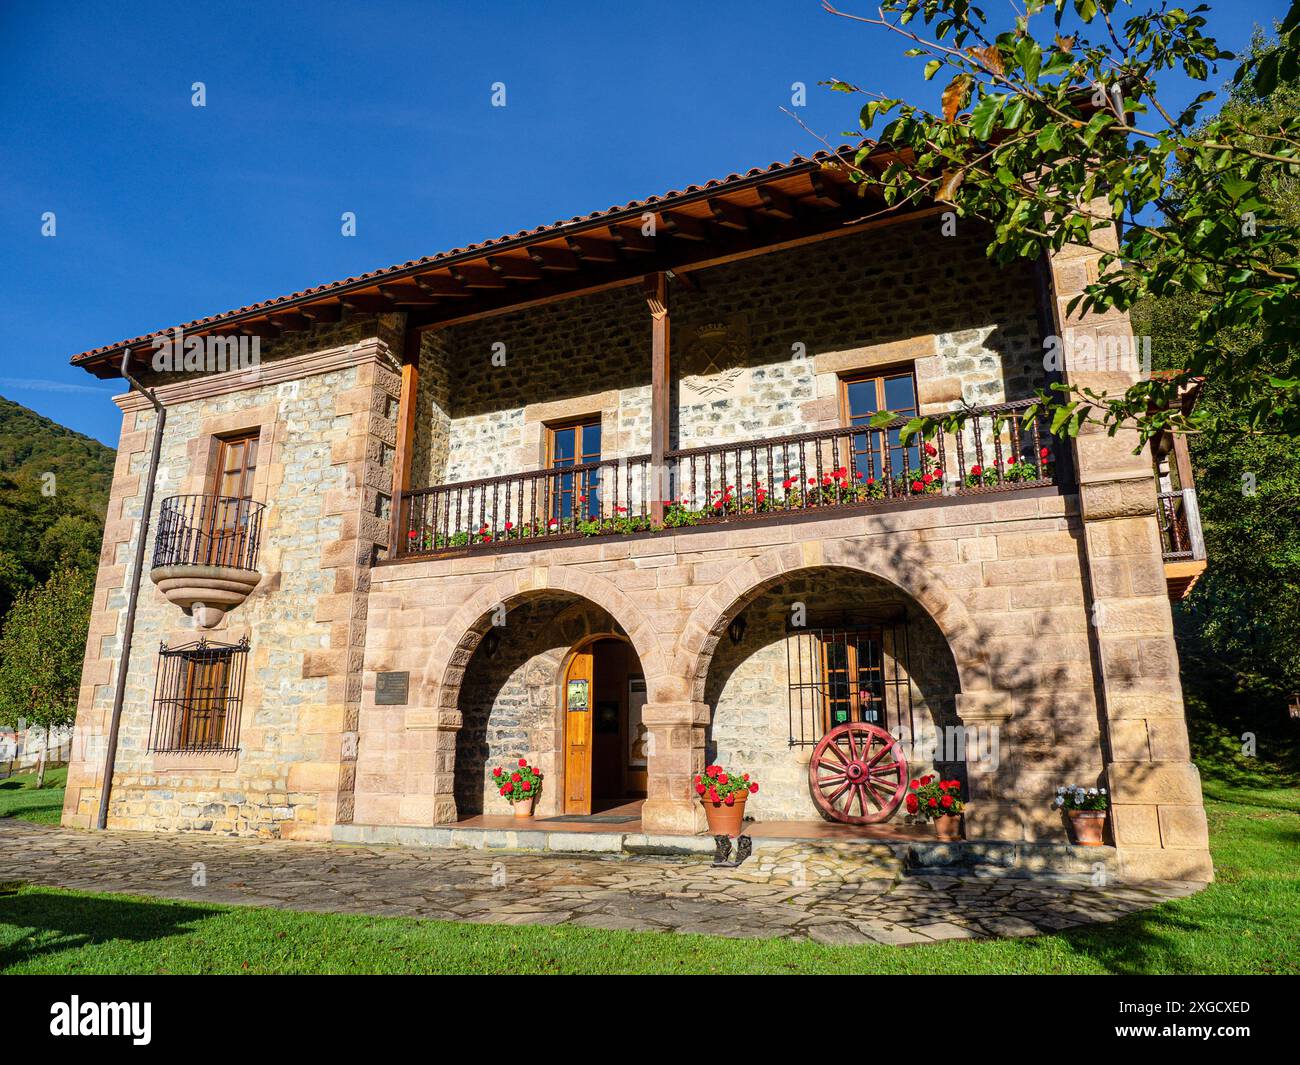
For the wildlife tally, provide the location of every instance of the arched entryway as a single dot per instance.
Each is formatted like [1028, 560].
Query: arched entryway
[815, 649]
[553, 678]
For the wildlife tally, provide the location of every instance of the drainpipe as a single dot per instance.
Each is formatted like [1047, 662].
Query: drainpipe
[124, 664]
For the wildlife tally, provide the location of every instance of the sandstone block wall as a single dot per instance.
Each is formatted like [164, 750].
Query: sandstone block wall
[326, 423]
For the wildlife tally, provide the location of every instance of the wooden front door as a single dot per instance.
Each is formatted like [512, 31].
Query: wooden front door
[577, 733]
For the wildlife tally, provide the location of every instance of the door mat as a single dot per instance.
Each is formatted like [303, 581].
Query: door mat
[591, 819]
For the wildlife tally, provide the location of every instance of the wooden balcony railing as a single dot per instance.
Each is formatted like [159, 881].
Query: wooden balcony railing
[820, 471]
[1179, 518]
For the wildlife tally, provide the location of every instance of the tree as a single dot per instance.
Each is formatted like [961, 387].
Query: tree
[41, 650]
[1051, 140]
[1243, 614]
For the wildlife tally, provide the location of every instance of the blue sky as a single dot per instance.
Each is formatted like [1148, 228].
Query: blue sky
[166, 212]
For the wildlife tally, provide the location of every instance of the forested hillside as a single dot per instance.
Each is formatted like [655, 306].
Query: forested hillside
[38, 530]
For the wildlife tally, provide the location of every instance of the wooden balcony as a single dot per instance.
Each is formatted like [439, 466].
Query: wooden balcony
[1181, 542]
[807, 474]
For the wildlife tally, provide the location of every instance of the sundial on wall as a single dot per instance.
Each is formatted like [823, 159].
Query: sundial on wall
[712, 354]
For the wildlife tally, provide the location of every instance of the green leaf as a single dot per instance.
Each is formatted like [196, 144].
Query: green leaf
[984, 115]
[932, 68]
[1049, 138]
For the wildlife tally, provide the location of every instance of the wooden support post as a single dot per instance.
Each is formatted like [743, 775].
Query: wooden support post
[406, 410]
[656, 293]
[1183, 462]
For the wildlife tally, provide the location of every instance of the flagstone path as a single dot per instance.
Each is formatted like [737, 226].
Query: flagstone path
[846, 905]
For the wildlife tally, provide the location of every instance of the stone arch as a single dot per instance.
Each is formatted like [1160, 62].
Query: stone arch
[752, 577]
[440, 686]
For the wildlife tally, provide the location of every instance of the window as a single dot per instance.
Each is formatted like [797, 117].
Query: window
[848, 672]
[228, 512]
[862, 398]
[575, 494]
[197, 697]
[236, 464]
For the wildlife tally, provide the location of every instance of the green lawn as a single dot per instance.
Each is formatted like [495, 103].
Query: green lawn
[20, 798]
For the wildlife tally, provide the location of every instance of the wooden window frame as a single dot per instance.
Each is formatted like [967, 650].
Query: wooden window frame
[554, 491]
[879, 375]
[853, 671]
[198, 697]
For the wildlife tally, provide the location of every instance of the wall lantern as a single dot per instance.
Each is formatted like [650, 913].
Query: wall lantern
[736, 630]
[491, 642]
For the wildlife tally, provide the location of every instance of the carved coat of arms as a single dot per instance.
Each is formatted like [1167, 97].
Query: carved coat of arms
[713, 356]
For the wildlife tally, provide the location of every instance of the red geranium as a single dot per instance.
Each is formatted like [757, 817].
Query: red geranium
[521, 783]
[726, 787]
[931, 797]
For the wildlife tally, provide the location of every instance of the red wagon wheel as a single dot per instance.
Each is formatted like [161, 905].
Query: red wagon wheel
[858, 774]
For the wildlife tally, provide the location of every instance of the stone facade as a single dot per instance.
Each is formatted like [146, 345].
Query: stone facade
[325, 419]
[1037, 616]
[778, 330]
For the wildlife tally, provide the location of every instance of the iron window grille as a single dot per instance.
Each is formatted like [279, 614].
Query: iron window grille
[849, 673]
[197, 697]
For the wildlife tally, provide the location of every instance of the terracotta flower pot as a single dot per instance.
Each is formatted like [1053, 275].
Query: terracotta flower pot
[948, 826]
[725, 820]
[1088, 827]
[524, 807]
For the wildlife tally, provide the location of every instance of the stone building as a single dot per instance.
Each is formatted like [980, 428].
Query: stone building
[610, 495]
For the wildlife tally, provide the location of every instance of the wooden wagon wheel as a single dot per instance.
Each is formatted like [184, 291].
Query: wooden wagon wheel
[858, 774]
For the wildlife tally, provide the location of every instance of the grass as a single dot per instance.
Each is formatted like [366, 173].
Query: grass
[20, 798]
[1246, 922]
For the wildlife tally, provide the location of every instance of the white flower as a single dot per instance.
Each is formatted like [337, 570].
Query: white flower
[1060, 800]
[1060, 790]
[1103, 791]
[1092, 791]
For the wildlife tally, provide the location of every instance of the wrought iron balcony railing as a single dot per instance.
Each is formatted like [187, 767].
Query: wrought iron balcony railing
[832, 469]
[204, 530]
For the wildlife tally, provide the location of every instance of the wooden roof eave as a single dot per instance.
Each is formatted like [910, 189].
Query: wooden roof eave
[712, 224]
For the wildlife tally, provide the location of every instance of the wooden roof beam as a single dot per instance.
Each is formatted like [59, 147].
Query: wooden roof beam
[367, 302]
[554, 258]
[475, 276]
[684, 226]
[329, 311]
[728, 215]
[826, 192]
[631, 239]
[515, 269]
[593, 249]
[777, 203]
[408, 293]
[291, 321]
[443, 286]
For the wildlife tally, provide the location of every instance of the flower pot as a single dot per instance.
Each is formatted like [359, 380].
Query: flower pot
[1087, 827]
[948, 827]
[524, 807]
[725, 820]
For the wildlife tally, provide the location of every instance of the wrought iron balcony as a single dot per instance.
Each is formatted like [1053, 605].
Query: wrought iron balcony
[820, 472]
[205, 553]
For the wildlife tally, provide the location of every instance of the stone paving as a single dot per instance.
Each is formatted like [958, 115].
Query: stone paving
[836, 904]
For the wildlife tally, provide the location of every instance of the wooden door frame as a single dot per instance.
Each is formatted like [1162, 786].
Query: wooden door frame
[562, 678]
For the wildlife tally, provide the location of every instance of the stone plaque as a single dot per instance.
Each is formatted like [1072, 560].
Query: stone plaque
[391, 688]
